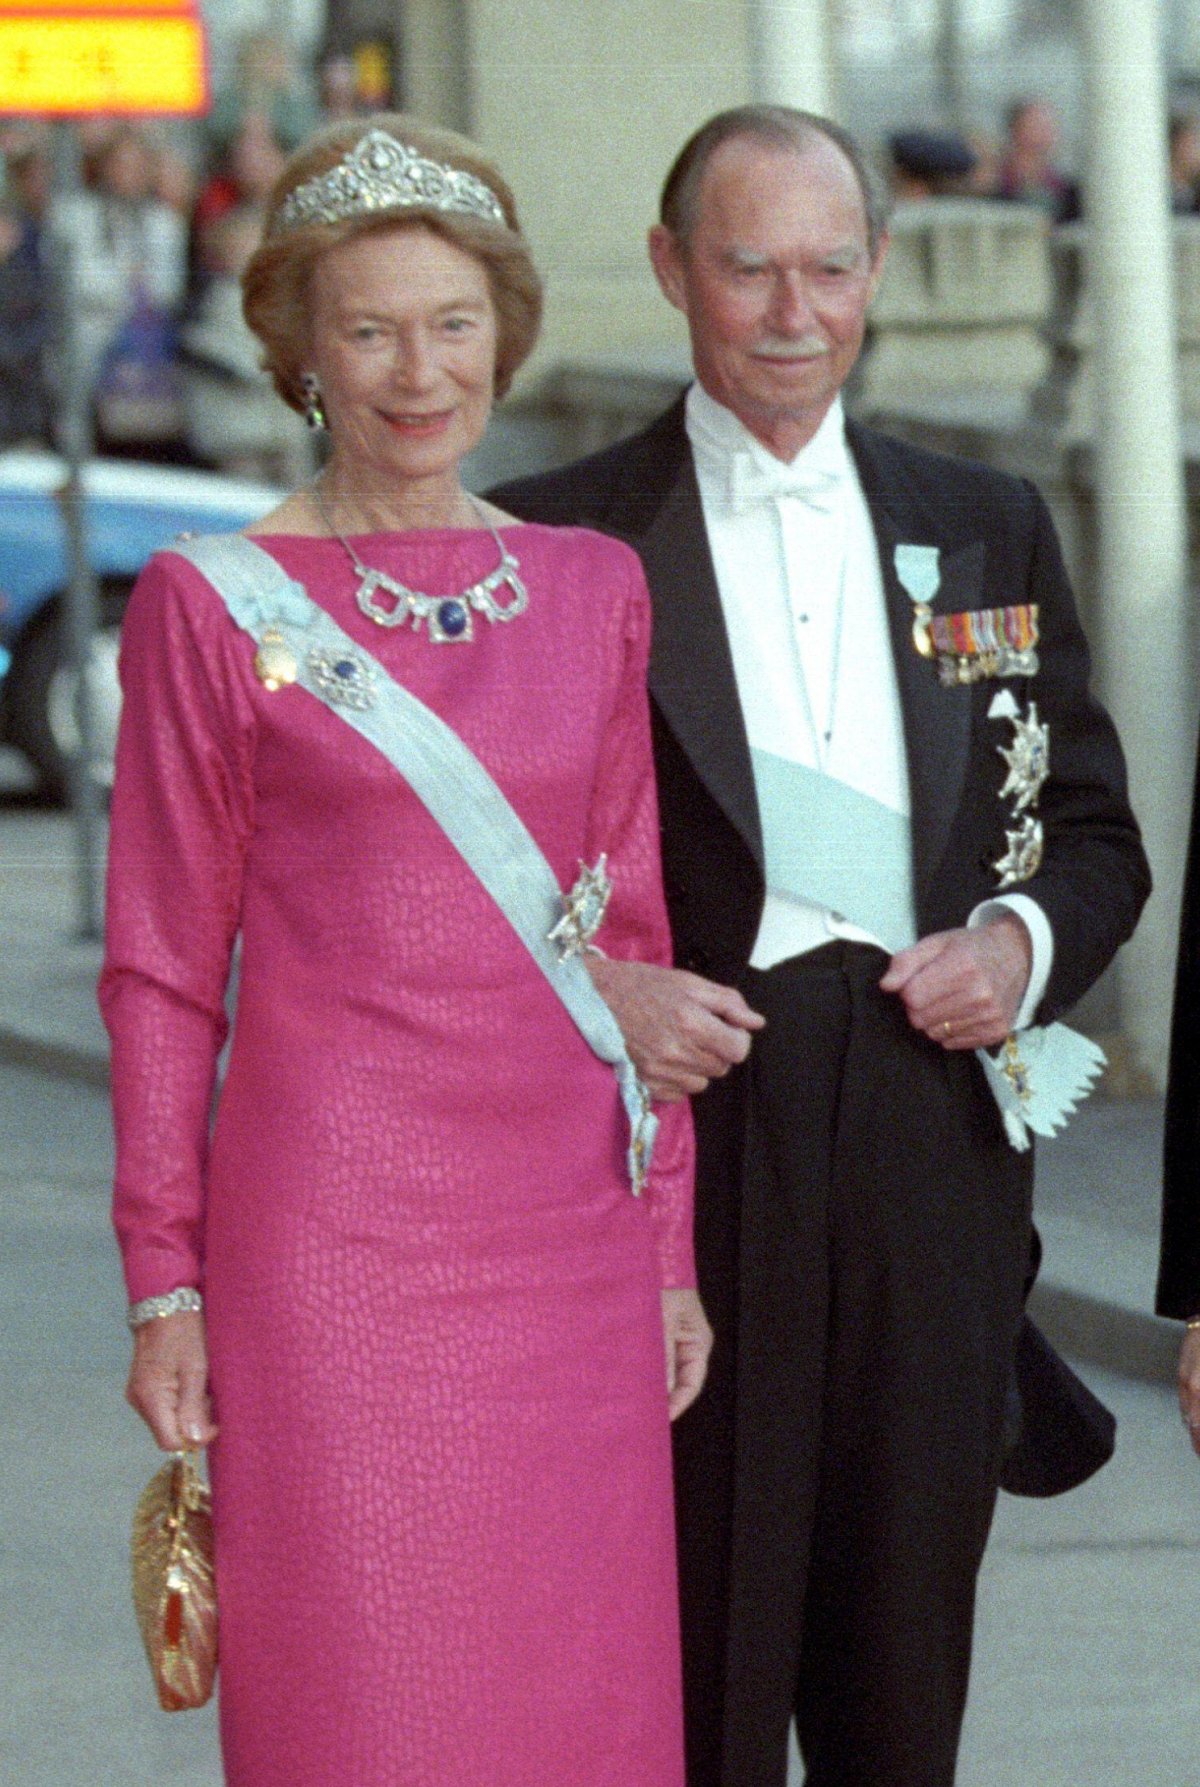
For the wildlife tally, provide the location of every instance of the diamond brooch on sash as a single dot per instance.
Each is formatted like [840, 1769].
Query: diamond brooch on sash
[583, 910]
[344, 677]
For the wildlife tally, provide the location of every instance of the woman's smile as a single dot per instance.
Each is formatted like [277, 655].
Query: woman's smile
[424, 423]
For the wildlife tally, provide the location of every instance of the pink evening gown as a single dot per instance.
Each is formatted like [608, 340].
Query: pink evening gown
[442, 1485]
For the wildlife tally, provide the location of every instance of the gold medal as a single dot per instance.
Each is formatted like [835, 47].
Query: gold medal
[274, 662]
[922, 615]
[918, 570]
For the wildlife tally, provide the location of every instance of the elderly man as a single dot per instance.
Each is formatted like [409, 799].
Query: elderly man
[862, 653]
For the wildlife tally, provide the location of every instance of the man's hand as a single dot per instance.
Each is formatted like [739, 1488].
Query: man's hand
[963, 989]
[681, 1030]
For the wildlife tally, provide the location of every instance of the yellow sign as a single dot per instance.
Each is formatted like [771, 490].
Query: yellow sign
[63, 56]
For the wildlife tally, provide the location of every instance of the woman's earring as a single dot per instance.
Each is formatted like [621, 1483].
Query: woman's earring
[314, 409]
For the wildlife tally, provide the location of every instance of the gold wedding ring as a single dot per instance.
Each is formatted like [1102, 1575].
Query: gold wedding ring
[947, 1028]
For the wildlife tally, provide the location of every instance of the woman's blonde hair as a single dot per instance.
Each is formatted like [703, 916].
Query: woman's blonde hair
[275, 284]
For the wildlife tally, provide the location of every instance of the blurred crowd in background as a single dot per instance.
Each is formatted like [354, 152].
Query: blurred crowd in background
[155, 230]
[152, 229]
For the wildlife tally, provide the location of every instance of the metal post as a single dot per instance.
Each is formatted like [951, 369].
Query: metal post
[73, 424]
[1139, 478]
[793, 54]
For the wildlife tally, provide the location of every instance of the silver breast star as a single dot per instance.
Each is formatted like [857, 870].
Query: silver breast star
[1024, 854]
[1028, 760]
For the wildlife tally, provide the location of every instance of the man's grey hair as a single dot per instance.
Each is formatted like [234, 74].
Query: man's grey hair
[778, 127]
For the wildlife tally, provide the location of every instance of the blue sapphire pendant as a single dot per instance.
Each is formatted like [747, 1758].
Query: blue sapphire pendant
[450, 621]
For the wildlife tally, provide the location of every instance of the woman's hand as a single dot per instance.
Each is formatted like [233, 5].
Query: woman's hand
[689, 1341]
[1189, 1385]
[168, 1381]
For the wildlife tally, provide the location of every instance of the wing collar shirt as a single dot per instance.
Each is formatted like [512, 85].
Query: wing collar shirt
[797, 567]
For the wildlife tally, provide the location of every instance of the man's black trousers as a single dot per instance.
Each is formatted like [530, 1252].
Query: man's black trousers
[862, 1238]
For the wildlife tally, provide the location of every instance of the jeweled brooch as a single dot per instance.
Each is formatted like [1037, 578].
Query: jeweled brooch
[583, 910]
[344, 677]
[1028, 760]
[275, 662]
[1023, 857]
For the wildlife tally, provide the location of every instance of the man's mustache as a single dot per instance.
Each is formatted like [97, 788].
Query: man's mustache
[804, 347]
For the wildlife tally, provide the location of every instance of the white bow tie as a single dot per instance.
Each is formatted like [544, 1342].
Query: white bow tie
[750, 482]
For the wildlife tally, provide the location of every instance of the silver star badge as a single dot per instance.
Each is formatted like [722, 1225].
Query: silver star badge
[1023, 857]
[583, 910]
[1028, 760]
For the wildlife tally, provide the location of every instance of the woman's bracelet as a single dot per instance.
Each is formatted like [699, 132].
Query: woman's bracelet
[1192, 1323]
[183, 1301]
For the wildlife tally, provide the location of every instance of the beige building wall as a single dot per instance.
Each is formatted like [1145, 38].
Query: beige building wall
[584, 105]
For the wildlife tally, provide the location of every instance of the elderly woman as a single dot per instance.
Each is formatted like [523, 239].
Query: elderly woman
[405, 1276]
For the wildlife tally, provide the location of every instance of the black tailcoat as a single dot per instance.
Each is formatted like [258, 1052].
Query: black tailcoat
[997, 548]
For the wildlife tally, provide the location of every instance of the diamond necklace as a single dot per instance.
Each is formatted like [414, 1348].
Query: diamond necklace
[448, 617]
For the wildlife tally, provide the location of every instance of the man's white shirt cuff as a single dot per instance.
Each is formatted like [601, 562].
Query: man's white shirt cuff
[1041, 938]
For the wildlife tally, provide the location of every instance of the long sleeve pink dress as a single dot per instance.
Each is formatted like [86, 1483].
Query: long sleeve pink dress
[442, 1484]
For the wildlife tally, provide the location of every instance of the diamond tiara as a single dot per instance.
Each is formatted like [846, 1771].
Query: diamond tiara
[381, 174]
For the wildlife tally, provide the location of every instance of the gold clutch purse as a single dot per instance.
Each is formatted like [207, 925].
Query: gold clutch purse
[174, 1588]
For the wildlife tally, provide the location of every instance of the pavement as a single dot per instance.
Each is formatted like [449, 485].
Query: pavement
[1086, 1656]
[1086, 1650]
[1097, 1187]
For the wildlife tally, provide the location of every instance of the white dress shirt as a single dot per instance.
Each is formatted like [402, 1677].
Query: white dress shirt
[797, 567]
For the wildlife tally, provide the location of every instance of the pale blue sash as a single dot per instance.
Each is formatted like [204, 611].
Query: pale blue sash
[826, 842]
[447, 777]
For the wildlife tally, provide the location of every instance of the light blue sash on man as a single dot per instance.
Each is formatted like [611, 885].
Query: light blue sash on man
[446, 776]
[829, 843]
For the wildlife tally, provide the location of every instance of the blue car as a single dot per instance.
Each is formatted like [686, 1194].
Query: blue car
[131, 510]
